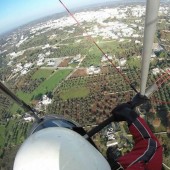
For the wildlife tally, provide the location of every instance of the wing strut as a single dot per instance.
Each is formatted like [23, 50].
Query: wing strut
[152, 9]
[19, 101]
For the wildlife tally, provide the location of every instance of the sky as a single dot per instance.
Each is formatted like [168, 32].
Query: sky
[14, 13]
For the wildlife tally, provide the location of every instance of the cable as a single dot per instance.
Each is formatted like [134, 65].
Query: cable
[93, 41]
[158, 84]
[163, 79]
[19, 101]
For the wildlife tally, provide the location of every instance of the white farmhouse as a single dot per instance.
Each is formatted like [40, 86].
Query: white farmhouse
[93, 70]
[51, 63]
[104, 58]
[156, 71]
[45, 100]
[46, 46]
[18, 68]
[28, 65]
[29, 119]
[137, 42]
[122, 62]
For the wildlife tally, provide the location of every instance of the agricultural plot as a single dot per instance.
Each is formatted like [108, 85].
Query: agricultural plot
[94, 55]
[79, 73]
[109, 46]
[48, 85]
[73, 83]
[74, 93]
[41, 73]
[65, 62]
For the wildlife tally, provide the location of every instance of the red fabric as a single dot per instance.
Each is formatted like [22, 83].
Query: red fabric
[141, 144]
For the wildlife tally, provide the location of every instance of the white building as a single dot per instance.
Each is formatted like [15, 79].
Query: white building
[40, 62]
[14, 54]
[28, 117]
[47, 53]
[93, 70]
[156, 71]
[28, 65]
[104, 58]
[41, 59]
[45, 100]
[46, 46]
[122, 62]
[121, 40]
[137, 42]
[18, 68]
[24, 71]
[51, 63]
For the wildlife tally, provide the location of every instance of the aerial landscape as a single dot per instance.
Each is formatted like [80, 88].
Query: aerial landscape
[53, 65]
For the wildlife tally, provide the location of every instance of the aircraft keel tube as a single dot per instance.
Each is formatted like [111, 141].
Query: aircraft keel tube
[149, 32]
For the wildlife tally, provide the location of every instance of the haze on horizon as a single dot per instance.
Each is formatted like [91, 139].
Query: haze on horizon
[14, 13]
[18, 12]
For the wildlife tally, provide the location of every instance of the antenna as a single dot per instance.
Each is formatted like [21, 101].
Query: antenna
[19, 101]
[152, 8]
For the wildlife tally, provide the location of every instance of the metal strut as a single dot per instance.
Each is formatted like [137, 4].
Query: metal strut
[19, 101]
[152, 8]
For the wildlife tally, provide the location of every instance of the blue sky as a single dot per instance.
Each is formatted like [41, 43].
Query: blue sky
[17, 12]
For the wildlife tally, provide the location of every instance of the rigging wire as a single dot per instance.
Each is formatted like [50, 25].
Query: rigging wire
[163, 79]
[21, 103]
[158, 82]
[93, 41]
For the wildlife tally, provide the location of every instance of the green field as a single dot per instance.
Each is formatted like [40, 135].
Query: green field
[94, 55]
[48, 85]
[42, 73]
[108, 46]
[74, 93]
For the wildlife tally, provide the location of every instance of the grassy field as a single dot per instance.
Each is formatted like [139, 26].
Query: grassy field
[42, 73]
[74, 93]
[48, 85]
[94, 55]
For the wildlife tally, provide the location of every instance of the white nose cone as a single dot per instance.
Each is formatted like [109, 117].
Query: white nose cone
[58, 149]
